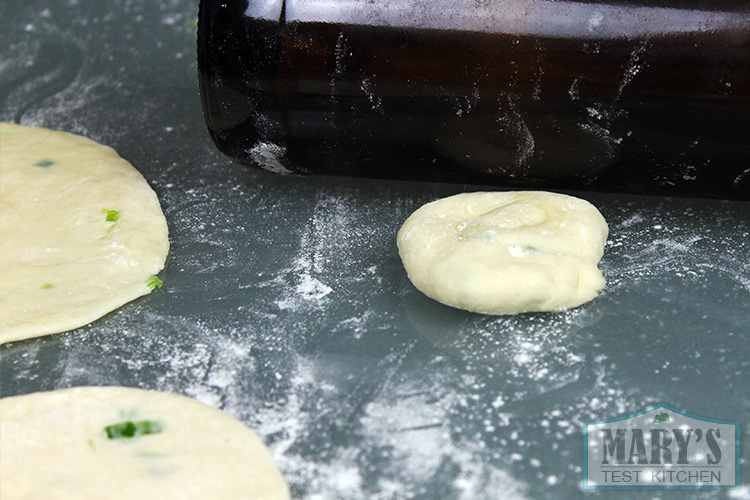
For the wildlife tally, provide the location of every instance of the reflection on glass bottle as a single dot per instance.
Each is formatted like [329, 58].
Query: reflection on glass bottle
[616, 96]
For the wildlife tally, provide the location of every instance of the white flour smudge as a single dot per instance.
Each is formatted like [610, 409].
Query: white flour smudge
[269, 157]
[651, 246]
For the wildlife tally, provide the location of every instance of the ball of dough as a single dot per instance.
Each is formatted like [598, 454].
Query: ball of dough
[505, 252]
[117, 443]
[81, 232]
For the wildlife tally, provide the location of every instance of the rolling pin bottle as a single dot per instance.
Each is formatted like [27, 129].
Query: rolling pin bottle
[633, 95]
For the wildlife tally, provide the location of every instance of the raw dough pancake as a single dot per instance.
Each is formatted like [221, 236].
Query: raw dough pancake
[94, 443]
[81, 232]
[505, 252]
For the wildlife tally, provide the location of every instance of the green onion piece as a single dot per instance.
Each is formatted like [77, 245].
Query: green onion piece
[127, 430]
[47, 286]
[44, 163]
[154, 282]
[193, 23]
[112, 215]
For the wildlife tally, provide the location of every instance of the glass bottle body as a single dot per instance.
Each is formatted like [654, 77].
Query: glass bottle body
[574, 95]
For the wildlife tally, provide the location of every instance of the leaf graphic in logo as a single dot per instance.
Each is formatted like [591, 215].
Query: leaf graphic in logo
[662, 417]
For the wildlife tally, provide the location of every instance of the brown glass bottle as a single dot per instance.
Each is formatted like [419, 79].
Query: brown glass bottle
[634, 96]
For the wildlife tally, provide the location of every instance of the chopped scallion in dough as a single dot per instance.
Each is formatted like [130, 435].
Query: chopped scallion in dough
[112, 215]
[44, 163]
[154, 282]
[127, 430]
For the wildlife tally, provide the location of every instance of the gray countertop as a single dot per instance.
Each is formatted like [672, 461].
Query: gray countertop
[286, 305]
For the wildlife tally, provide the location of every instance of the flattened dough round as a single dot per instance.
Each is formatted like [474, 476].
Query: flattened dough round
[54, 446]
[62, 263]
[505, 252]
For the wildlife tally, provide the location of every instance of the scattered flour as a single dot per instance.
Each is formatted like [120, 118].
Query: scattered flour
[301, 323]
[652, 244]
[269, 157]
[305, 328]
